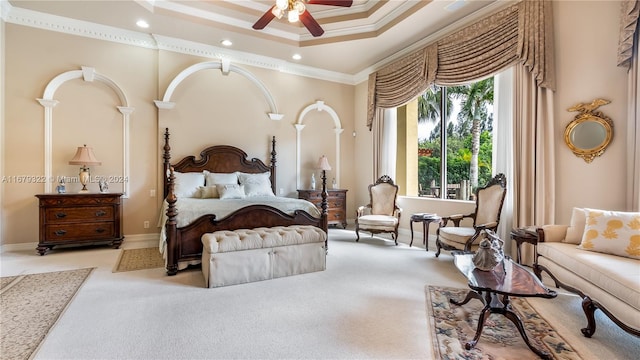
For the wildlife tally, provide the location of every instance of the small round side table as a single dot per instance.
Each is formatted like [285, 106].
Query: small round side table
[426, 219]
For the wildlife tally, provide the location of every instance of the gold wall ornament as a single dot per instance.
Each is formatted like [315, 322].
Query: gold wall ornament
[590, 132]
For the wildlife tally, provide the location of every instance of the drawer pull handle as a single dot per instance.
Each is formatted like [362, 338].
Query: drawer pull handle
[60, 232]
[100, 230]
[101, 213]
[61, 215]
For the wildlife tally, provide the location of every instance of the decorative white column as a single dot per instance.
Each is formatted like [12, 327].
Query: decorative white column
[48, 142]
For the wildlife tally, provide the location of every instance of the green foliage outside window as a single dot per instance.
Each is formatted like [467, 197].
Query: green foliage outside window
[475, 117]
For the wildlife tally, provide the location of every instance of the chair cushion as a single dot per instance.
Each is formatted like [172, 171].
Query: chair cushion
[378, 221]
[383, 199]
[456, 234]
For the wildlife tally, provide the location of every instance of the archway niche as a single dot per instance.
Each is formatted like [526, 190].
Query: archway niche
[88, 74]
[225, 66]
[299, 126]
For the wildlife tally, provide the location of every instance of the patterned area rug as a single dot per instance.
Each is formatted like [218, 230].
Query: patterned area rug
[31, 305]
[453, 326]
[139, 259]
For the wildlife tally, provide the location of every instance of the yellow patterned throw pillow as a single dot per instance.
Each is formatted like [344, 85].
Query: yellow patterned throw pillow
[612, 232]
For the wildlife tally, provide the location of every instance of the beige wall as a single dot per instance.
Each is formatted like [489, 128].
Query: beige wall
[212, 108]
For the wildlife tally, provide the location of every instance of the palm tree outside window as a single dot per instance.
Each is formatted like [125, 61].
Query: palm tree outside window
[466, 140]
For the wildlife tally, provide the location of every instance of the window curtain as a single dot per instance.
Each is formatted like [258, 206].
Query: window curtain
[503, 150]
[628, 57]
[519, 33]
[633, 135]
[385, 144]
[534, 149]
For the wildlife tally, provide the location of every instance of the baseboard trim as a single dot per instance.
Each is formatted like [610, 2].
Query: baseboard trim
[130, 241]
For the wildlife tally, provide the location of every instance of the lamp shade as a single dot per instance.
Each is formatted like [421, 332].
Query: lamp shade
[84, 156]
[323, 163]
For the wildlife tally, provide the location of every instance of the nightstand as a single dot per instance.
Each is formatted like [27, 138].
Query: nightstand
[336, 204]
[78, 219]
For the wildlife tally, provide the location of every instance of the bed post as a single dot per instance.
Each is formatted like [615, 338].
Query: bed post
[273, 165]
[324, 216]
[166, 155]
[172, 227]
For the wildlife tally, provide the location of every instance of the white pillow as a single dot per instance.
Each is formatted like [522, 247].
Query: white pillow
[612, 232]
[188, 184]
[212, 179]
[209, 192]
[231, 191]
[576, 228]
[256, 184]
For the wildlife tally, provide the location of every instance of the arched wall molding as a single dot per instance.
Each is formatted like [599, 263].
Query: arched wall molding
[319, 106]
[87, 74]
[225, 66]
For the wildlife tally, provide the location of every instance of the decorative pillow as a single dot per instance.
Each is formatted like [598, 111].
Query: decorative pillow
[612, 232]
[576, 228]
[256, 184]
[231, 191]
[212, 179]
[209, 192]
[188, 184]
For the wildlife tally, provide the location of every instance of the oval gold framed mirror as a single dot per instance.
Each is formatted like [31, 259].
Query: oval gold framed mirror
[590, 132]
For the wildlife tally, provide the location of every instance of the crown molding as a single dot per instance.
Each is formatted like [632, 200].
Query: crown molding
[30, 18]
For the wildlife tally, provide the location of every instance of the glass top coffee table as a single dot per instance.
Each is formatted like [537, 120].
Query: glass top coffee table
[494, 288]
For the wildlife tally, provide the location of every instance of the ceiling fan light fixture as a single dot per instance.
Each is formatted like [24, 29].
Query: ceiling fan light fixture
[299, 7]
[277, 12]
[293, 16]
[282, 4]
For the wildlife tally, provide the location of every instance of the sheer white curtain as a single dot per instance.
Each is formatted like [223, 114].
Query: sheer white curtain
[386, 146]
[503, 146]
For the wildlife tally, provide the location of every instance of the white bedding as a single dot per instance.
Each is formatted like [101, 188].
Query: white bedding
[189, 209]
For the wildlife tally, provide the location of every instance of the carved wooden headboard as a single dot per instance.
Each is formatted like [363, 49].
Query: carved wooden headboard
[218, 159]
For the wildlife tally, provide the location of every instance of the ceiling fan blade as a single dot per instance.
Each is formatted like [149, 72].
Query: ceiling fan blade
[345, 3]
[311, 24]
[264, 20]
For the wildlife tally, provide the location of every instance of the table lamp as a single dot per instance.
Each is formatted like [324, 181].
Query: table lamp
[84, 157]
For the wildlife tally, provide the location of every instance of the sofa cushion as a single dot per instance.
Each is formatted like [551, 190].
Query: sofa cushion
[612, 232]
[576, 228]
[616, 275]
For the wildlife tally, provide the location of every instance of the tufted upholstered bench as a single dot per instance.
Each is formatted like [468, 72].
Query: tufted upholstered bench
[246, 255]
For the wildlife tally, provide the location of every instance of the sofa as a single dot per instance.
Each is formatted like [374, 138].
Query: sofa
[596, 256]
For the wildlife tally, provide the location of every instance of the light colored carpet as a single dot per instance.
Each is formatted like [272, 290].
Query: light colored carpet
[139, 259]
[452, 326]
[368, 304]
[30, 305]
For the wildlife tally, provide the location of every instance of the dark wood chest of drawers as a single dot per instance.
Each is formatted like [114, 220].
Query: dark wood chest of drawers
[84, 218]
[337, 204]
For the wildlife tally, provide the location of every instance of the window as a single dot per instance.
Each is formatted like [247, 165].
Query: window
[464, 134]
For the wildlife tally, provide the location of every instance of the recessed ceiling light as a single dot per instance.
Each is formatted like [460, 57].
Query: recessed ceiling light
[142, 23]
[226, 42]
[296, 57]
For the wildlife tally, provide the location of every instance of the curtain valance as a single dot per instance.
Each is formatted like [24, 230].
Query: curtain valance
[522, 32]
[629, 12]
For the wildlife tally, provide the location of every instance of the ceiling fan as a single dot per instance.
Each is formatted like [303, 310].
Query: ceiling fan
[296, 10]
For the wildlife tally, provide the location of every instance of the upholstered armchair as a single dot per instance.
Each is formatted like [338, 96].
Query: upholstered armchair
[382, 214]
[489, 200]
